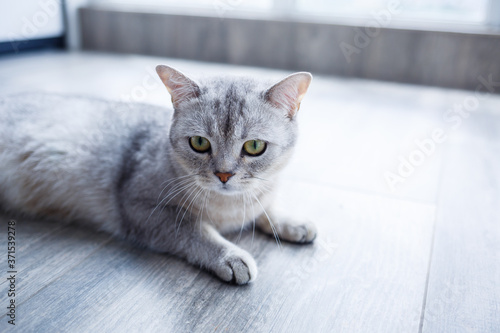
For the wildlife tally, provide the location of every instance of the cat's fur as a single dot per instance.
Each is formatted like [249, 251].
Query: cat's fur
[129, 169]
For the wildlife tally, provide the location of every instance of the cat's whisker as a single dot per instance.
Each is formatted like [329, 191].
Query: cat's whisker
[195, 198]
[208, 212]
[176, 188]
[205, 205]
[173, 195]
[158, 205]
[243, 219]
[175, 178]
[265, 189]
[189, 206]
[183, 201]
[200, 213]
[253, 214]
[182, 205]
[200, 193]
[169, 181]
[264, 183]
[275, 232]
[259, 178]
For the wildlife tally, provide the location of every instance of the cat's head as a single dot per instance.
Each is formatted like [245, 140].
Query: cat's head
[233, 134]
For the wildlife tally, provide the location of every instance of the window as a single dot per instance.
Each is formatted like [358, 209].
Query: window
[215, 6]
[470, 11]
[476, 12]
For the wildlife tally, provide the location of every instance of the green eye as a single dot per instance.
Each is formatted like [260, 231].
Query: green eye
[254, 147]
[199, 144]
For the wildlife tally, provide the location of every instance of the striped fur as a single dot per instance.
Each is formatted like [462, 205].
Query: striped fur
[128, 169]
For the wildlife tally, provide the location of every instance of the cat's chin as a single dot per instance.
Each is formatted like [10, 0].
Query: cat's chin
[227, 190]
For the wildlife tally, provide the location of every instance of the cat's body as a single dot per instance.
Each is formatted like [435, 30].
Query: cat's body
[135, 170]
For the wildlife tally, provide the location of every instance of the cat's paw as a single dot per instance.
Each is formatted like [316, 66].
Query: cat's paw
[236, 266]
[297, 232]
[289, 230]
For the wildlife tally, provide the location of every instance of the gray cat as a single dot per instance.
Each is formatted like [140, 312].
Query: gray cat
[170, 181]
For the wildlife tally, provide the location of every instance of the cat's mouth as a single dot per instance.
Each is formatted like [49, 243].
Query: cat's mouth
[230, 187]
[227, 188]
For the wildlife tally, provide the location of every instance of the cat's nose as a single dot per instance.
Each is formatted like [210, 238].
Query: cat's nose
[224, 176]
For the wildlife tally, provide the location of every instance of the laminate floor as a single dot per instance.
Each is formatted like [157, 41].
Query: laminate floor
[404, 189]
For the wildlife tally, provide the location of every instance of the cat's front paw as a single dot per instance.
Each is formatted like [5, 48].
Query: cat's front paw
[297, 233]
[289, 230]
[236, 266]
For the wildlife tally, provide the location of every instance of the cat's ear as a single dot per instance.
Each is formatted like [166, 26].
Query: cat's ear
[180, 87]
[288, 93]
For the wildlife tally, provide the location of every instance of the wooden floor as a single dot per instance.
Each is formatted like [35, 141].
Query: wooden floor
[422, 255]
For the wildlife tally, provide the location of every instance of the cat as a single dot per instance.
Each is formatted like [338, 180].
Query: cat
[169, 180]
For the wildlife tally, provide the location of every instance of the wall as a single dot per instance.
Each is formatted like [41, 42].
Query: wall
[447, 59]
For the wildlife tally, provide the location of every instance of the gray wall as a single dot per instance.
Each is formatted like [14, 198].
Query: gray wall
[432, 58]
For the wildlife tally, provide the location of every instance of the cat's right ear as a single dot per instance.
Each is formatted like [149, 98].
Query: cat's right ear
[180, 87]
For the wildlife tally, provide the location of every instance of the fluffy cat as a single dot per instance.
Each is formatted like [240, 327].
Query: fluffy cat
[172, 181]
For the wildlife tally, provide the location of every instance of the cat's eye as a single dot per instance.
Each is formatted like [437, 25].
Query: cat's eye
[254, 147]
[199, 144]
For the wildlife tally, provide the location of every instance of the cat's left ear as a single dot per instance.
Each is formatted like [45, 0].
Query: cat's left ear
[288, 93]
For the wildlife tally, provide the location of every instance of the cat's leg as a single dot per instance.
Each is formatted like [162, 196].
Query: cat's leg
[206, 247]
[286, 229]
[199, 243]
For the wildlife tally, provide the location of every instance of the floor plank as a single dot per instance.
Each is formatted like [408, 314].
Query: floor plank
[464, 280]
[43, 256]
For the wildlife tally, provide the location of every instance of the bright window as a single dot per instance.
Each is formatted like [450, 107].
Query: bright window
[464, 11]
[454, 11]
[217, 6]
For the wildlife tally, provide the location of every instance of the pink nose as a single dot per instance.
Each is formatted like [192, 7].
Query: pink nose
[224, 176]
